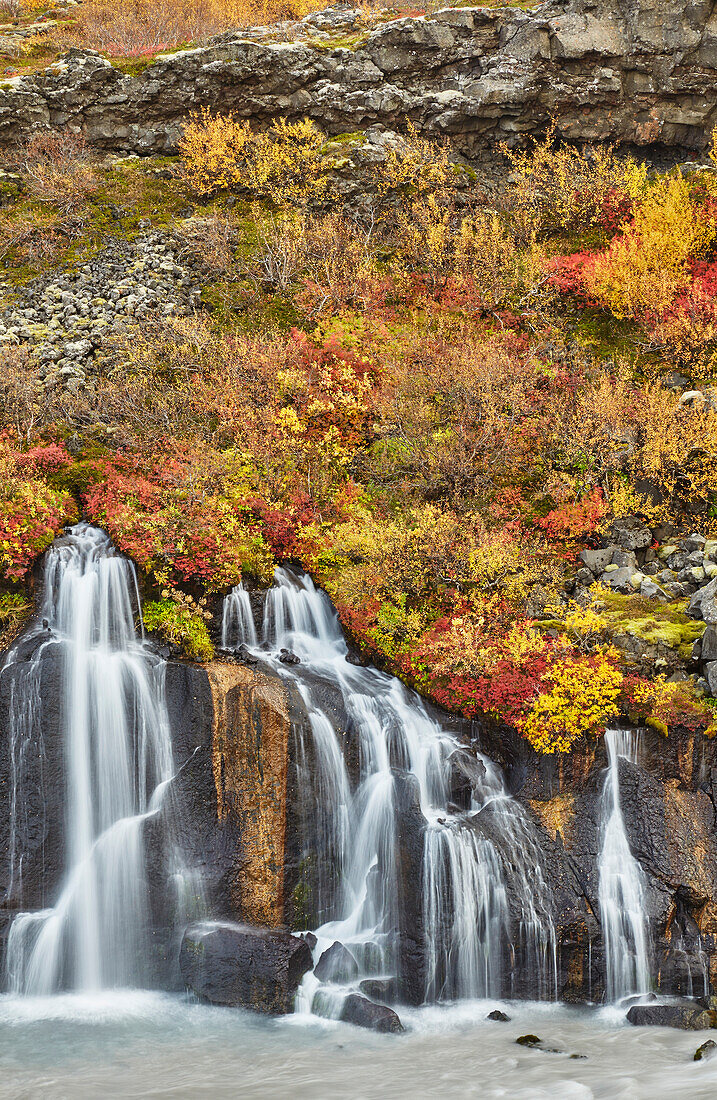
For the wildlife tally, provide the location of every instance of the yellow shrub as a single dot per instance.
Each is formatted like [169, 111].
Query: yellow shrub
[581, 699]
[559, 187]
[282, 164]
[416, 166]
[645, 268]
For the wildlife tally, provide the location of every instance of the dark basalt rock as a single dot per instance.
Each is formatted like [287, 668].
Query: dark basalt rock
[496, 1014]
[379, 989]
[336, 964]
[684, 1017]
[360, 1011]
[245, 967]
[528, 1041]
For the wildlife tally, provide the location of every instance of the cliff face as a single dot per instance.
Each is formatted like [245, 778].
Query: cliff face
[232, 733]
[667, 800]
[629, 72]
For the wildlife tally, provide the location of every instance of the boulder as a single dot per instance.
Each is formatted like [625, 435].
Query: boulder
[708, 649]
[336, 964]
[703, 604]
[597, 560]
[707, 1050]
[682, 1016]
[378, 989]
[499, 1016]
[360, 1011]
[619, 579]
[630, 533]
[234, 964]
[711, 674]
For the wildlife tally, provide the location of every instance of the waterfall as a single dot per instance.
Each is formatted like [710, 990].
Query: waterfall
[237, 620]
[118, 763]
[621, 883]
[482, 899]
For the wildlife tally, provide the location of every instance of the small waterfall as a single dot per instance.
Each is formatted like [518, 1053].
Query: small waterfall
[482, 898]
[237, 620]
[118, 763]
[621, 883]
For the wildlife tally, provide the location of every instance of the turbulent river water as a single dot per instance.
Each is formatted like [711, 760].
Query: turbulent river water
[81, 1047]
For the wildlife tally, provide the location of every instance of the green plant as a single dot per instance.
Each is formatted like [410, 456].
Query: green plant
[181, 621]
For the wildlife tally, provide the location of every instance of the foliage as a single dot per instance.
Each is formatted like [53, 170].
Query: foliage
[647, 265]
[665, 704]
[579, 698]
[282, 164]
[31, 511]
[570, 190]
[181, 621]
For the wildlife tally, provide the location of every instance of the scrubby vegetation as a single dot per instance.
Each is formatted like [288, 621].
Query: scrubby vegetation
[404, 397]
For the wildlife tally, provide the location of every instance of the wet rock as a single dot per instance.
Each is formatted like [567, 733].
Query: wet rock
[336, 964]
[528, 1041]
[501, 1017]
[707, 1050]
[360, 1011]
[410, 833]
[310, 938]
[379, 989]
[683, 1017]
[232, 964]
[288, 658]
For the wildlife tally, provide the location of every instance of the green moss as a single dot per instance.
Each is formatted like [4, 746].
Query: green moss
[652, 623]
[338, 42]
[180, 627]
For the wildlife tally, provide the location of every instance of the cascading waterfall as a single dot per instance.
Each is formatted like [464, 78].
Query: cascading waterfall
[118, 762]
[474, 859]
[621, 883]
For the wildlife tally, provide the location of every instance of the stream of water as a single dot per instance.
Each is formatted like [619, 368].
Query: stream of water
[622, 883]
[373, 763]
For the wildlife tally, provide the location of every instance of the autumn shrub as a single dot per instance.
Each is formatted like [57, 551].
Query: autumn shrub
[32, 512]
[179, 619]
[282, 164]
[666, 704]
[135, 28]
[415, 167]
[577, 698]
[645, 267]
[56, 168]
[15, 609]
[187, 522]
[564, 189]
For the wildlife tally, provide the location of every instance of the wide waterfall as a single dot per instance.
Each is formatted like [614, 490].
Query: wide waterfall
[622, 883]
[482, 902]
[117, 761]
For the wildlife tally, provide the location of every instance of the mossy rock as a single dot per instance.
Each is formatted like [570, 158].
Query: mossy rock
[655, 624]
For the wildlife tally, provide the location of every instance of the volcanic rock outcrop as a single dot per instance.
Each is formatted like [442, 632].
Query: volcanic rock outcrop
[634, 73]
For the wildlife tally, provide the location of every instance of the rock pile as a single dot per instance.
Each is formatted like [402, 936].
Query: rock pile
[66, 317]
[634, 561]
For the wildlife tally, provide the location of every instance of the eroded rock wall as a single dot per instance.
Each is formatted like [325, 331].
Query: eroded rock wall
[632, 72]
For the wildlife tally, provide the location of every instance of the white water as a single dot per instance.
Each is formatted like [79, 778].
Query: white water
[472, 938]
[118, 761]
[622, 884]
[140, 1045]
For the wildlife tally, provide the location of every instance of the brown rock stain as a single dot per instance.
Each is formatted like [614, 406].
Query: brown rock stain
[250, 739]
[556, 815]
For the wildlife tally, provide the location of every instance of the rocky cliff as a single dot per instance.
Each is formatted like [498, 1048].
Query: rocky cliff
[636, 73]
